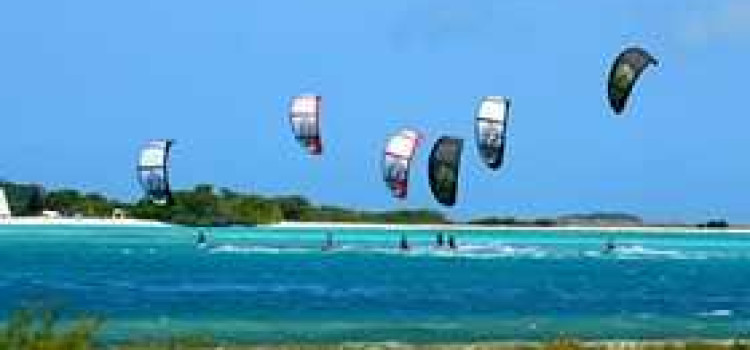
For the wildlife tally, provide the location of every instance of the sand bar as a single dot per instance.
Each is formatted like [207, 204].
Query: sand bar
[500, 228]
[47, 221]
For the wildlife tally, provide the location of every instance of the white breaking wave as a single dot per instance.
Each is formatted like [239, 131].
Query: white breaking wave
[229, 248]
[716, 313]
[488, 251]
[641, 250]
[465, 251]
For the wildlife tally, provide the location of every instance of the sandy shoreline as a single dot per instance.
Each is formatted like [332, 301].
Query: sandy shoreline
[46, 221]
[284, 225]
[291, 225]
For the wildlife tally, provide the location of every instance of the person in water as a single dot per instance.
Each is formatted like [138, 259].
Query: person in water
[404, 244]
[609, 247]
[439, 240]
[202, 239]
[452, 242]
[329, 242]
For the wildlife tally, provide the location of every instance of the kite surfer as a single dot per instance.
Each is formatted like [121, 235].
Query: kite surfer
[328, 245]
[202, 239]
[609, 246]
[452, 242]
[404, 244]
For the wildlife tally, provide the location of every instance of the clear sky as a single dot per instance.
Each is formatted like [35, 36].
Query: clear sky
[83, 84]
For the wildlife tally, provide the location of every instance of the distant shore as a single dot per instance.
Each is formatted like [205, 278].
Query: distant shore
[73, 221]
[295, 225]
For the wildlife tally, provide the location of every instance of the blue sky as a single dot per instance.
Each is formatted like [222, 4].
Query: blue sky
[83, 84]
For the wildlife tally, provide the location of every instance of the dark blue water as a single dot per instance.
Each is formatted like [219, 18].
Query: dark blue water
[266, 286]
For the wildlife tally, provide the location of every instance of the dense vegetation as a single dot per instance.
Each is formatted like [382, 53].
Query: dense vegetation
[513, 221]
[603, 217]
[24, 199]
[72, 202]
[204, 206]
[31, 329]
[714, 224]
[600, 218]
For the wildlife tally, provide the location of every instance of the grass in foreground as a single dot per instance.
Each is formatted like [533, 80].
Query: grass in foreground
[29, 329]
[42, 329]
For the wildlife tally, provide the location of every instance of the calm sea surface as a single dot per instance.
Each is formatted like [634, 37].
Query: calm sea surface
[271, 285]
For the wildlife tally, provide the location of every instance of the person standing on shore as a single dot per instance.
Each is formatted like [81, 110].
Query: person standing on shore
[439, 240]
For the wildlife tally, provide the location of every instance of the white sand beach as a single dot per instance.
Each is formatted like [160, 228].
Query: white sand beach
[82, 221]
[293, 225]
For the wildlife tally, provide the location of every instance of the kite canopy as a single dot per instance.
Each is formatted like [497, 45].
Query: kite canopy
[153, 172]
[444, 163]
[491, 121]
[304, 114]
[625, 72]
[399, 151]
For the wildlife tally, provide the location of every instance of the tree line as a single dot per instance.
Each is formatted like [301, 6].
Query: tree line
[205, 206]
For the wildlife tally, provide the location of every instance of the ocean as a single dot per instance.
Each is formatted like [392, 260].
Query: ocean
[265, 285]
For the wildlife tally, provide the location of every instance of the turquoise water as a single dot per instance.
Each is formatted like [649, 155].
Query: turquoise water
[267, 285]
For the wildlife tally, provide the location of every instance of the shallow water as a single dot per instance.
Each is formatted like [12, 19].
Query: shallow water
[278, 285]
